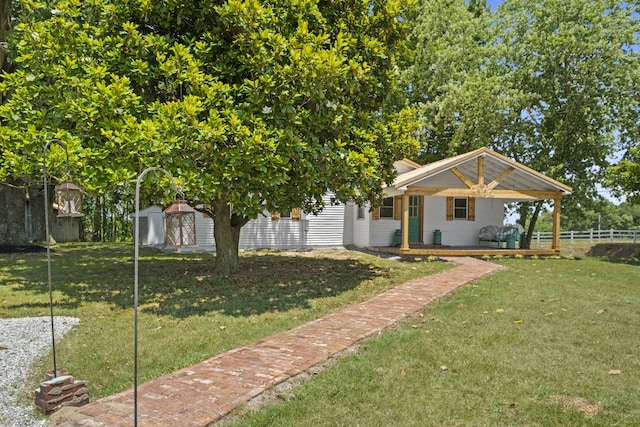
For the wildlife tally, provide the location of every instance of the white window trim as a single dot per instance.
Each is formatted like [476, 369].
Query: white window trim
[387, 209]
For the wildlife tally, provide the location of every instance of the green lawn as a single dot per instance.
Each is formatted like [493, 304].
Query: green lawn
[539, 344]
[187, 314]
[547, 342]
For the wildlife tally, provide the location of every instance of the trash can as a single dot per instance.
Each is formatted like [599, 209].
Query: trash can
[511, 241]
[397, 237]
[437, 237]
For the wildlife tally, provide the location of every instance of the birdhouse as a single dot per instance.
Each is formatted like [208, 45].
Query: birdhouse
[69, 200]
[180, 225]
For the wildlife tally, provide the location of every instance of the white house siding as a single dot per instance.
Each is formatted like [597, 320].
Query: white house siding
[262, 232]
[326, 229]
[460, 232]
[361, 227]
[382, 231]
[204, 231]
[350, 214]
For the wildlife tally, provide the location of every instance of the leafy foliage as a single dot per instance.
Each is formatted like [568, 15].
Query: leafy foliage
[251, 104]
[625, 175]
[605, 216]
[552, 84]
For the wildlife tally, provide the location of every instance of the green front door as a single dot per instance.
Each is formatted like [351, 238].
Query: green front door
[414, 219]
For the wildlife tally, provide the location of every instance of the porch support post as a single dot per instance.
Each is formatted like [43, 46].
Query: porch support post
[555, 245]
[405, 222]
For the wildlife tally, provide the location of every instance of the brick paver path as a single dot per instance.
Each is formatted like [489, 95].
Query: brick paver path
[204, 393]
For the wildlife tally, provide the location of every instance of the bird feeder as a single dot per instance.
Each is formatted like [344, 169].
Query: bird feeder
[180, 225]
[69, 200]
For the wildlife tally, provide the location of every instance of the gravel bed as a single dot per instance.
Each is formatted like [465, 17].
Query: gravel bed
[22, 341]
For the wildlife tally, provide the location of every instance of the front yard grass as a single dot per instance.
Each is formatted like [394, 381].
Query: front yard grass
[186, 313]
[548, 342]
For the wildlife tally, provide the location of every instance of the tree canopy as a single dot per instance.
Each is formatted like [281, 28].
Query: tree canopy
[253, 105]
[605, 216]
[549, 83]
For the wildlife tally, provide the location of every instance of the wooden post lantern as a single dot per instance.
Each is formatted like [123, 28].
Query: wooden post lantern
[69, 200]
[180, 225]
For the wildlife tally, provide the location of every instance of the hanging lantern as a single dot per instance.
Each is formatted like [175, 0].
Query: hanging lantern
[180, 225]
[69, 200]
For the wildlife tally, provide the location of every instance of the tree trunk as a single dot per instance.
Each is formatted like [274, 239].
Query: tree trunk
[524, 212]
[226, 232]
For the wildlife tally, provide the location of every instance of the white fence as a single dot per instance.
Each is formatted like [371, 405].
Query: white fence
[591, 235]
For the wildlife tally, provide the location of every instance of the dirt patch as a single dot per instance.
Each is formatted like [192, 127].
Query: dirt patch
[623, 251]
[588, 409]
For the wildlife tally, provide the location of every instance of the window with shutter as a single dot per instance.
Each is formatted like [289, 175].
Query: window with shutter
[295, 214]
[397, 208]
[460, 209]
[449, 208]
[386, 210]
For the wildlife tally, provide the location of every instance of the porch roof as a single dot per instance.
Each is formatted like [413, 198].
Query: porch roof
[484, 172]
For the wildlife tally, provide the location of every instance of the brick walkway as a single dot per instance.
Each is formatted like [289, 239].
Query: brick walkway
[204, 393]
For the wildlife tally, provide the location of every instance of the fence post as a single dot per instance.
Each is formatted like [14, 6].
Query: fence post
[591, 236]
[611, 236]
[571, 236]
[635, 232]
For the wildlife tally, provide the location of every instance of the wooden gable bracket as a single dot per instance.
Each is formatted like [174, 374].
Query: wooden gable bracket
[466, 181]
[480, 189]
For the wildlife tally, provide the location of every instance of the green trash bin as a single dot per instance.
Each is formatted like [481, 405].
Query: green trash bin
[397, 237]
[437, 237]
[511, 241]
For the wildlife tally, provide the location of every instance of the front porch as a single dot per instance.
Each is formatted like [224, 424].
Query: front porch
[462, 251]
[475, 186]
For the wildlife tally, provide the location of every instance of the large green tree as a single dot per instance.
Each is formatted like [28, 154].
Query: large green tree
[624, 176]
[5, 25]
[577, 66]
[550, 83]
[252, 104]
[455, 79]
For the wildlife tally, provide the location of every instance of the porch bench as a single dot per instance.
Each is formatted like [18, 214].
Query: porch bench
[498, 234]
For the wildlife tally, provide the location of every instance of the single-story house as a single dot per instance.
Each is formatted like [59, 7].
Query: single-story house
[440, 208]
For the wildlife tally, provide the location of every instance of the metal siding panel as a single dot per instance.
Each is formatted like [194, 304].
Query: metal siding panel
[350, 215]
[327, 228]
[204, 231]
[262, 232]
[362, 228]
